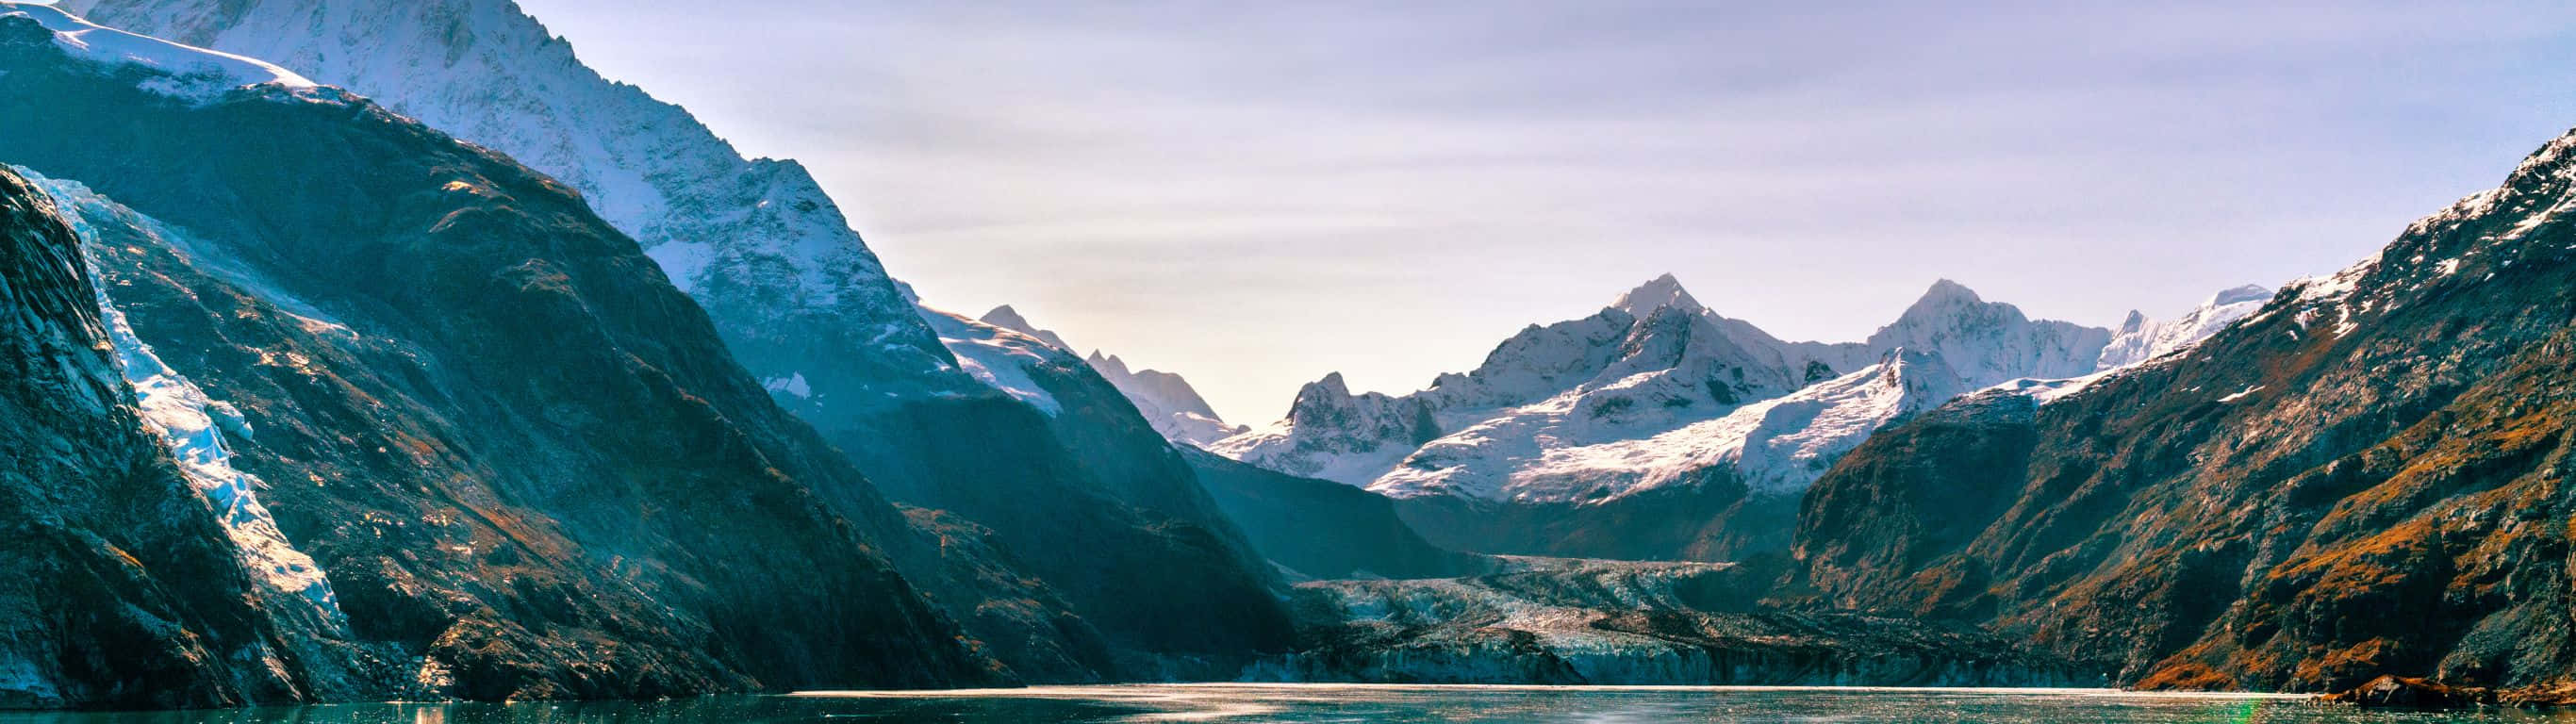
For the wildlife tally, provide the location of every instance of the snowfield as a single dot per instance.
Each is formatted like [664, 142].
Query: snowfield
[1657, 390]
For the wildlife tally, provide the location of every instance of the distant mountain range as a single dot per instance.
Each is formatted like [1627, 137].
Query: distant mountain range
[1658, 429]
[314, 392]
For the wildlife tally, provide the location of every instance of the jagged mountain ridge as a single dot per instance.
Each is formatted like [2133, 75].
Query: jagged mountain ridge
[2140, 339]
[1165, 399]
[1655, 428]
[801, 302]
[2366, 476]
[526, 463]
[1654, 365]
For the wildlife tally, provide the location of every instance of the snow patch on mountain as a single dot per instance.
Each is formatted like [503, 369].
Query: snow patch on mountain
[1167, 401]
[194, 426]
[187, 72]
[1007, 318]
[997, 357]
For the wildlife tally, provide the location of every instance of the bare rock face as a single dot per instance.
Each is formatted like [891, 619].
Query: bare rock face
[2367, 476]
[122, 589]
[525, 462]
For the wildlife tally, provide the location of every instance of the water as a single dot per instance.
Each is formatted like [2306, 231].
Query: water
[1315, 703]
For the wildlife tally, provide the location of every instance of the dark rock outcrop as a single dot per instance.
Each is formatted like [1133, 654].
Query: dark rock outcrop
[2398, 692]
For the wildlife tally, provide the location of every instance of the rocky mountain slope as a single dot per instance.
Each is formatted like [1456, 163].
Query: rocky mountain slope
[1323, 529]
[523, 462]
[2366, 476]
[1164, 398]
[123, 584]
[1654, 429]
[803, 304]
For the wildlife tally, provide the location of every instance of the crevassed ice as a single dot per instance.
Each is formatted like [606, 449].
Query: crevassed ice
[193, 425]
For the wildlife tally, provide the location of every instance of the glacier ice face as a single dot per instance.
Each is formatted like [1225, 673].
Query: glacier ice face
[194, 426]
[1654, 390]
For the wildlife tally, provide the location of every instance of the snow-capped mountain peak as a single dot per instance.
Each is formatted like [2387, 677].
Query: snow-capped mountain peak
[1167, 401]
[1987, 343]
[1657, 293]
[1007, 318]
[2141, 338]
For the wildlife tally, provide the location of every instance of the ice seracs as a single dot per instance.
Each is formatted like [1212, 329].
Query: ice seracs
[194, 426]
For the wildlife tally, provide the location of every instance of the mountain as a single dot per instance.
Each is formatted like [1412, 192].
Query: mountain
[2365, 476]
[522, 463]
[1654, 428]
[2139, 339]
[1165, 399]
[119, 569]
[804, 305]
[792, 288]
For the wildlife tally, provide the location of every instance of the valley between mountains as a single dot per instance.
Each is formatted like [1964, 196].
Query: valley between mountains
[382, 350]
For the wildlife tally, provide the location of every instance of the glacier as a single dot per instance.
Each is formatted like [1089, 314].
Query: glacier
[193, 425]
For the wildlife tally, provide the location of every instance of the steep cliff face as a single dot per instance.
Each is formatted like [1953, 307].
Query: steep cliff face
[2366, 476]
[123, 589]
[523, 460]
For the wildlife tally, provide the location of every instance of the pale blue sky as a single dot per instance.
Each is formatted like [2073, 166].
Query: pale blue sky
[1254, 195]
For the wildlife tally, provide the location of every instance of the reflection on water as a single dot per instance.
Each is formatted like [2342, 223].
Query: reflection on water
[1343, 703]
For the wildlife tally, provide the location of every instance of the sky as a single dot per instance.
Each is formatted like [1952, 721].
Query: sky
[1256, 194]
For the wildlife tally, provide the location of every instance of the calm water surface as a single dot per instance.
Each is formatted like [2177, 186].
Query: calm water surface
[1343, 703]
